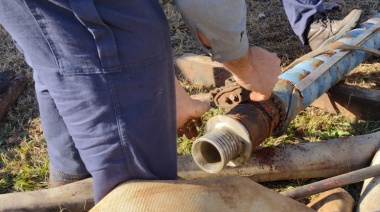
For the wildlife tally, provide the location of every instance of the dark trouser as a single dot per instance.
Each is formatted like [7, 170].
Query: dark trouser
[104, 80]
[300, 15]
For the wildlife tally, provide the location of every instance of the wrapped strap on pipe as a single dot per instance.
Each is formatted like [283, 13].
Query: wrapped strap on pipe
[315, 76]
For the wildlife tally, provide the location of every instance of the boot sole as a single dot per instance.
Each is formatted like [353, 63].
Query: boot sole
[345, 29]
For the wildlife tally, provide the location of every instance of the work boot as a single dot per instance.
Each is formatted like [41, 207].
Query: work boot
[59, 178]
[324, 31]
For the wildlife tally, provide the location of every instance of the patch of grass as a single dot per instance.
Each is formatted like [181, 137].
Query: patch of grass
[24, 162]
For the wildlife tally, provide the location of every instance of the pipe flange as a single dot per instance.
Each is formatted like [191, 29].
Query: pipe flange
[221, 122]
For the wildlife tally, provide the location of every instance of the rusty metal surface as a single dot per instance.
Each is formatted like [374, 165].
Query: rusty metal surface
[255, 120]
[190, 128]
[229, 96]
[259, 118]
[333, 182]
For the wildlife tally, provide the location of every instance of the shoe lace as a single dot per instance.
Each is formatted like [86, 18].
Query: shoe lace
[325, 22]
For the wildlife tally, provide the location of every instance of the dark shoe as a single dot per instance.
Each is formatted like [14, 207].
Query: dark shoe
[324, 31]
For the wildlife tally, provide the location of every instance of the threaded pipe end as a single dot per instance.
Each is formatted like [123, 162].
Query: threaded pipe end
[215, 149]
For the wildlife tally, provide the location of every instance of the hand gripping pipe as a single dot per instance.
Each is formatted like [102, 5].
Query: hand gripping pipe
[229, 139]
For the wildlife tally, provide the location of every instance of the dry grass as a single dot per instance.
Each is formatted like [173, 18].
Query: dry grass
[24, 161]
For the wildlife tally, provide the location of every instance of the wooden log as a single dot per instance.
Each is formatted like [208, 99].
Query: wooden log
[11, 86]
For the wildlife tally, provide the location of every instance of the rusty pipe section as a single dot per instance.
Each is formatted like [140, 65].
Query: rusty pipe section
[297, 88]
[333, 182]
[229, 138]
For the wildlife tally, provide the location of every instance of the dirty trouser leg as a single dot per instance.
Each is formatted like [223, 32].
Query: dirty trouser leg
[300, 14]
[108, 70]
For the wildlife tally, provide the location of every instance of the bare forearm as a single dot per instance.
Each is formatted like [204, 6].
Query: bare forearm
[239, 67]
[257, 71]
[223, 34]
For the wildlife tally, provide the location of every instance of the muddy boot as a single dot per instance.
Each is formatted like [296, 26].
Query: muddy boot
[324, 31]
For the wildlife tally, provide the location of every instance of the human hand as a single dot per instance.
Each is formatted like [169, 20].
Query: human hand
[189, 111]
[256, 71]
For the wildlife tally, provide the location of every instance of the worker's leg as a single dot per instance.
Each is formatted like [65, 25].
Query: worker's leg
[109, 72]
[300, 15]
[66, 166]
[313, 30]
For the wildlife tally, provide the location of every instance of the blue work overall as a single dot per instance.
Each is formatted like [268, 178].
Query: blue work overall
[300, 15]
[104, 80]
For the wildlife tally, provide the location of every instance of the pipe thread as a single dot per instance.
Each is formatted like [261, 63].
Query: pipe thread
[215, 149]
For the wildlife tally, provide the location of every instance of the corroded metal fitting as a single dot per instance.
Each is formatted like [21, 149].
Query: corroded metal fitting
[229, 139]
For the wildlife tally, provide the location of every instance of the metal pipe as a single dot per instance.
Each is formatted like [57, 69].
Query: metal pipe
[232, 130]
[299, 161]
[297, 88]
[296, 161]
[370, 193]
[333, 182]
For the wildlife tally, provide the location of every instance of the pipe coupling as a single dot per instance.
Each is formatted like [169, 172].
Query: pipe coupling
[225, 142]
